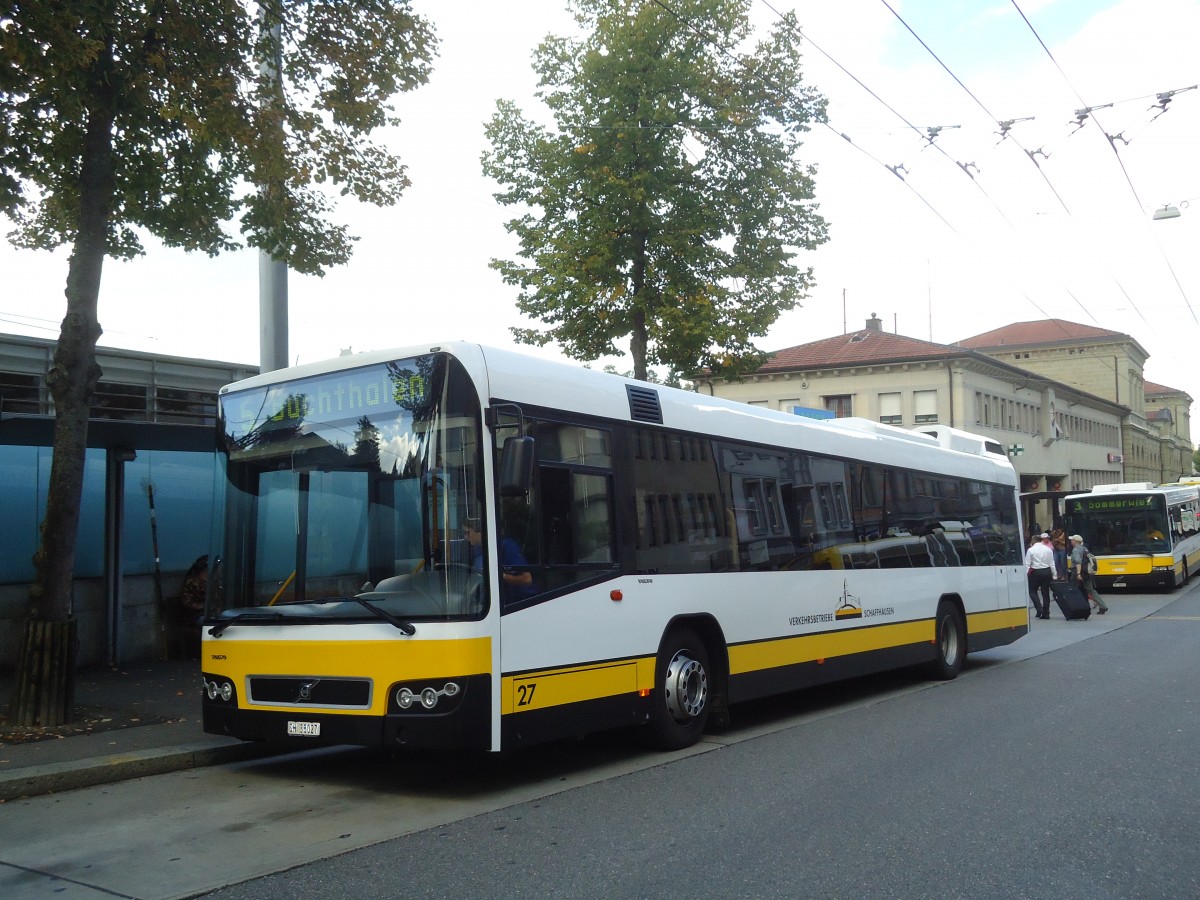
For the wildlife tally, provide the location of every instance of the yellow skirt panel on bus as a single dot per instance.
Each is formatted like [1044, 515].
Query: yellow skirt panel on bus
[977, 623]
[384, 662]
[558, 687]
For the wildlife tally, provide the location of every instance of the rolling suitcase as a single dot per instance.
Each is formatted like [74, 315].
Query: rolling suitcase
[1070, 599]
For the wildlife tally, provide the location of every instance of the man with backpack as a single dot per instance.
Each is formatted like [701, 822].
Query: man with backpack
[1083, 567]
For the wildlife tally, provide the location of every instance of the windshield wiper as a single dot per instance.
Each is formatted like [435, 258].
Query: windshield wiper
[220, 627]
[405, 627]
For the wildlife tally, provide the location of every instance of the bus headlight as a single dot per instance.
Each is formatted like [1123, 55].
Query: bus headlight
[218, 689]
[427, 696]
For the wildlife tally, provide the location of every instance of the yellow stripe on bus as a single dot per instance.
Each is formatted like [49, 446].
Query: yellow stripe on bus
[745, 658]
[998, 620]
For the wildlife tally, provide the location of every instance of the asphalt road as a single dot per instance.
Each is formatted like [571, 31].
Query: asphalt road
[1072, 773]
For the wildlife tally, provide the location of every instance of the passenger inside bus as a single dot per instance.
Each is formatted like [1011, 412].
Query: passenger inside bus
[516, 581]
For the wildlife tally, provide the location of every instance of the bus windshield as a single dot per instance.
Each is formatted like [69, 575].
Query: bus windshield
[346, 495]
[1121, 523]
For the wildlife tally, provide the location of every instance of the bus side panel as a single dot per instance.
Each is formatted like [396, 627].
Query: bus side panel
[758, 683]
[543, 705]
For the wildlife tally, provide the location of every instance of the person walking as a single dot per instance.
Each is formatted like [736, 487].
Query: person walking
[1080, 565]
[1040, 571]
[1058, 540]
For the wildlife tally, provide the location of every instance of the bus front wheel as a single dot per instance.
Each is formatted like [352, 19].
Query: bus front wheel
[681, 695]
[950, 640]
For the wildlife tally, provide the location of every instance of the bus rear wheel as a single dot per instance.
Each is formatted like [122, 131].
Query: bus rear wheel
[950, 639]
[681, 692]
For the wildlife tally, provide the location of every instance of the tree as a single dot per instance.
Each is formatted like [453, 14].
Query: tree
[1196, 460]
[124, 117]
[669, 206]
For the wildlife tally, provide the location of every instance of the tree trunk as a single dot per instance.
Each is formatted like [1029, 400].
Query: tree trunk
[637, 333]
[45, 689]
[637, 344]
[46, 666]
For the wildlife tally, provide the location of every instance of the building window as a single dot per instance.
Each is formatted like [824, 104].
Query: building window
[20, 393]
[840, 406]
[925, 407]
[120, 401]
[889, 409]
[191, 407]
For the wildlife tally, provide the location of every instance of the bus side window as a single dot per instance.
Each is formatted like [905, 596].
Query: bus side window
[576, 517]
[568, 532]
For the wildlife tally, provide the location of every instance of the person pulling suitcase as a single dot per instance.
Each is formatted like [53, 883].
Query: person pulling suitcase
[1084, 571]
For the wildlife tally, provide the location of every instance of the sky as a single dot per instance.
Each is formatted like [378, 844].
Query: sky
[940, 239]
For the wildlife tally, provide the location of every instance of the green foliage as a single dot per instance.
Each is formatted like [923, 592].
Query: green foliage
[197, 124]
[669, 206]
[671, 379]
[1196, 460]
[125, 116]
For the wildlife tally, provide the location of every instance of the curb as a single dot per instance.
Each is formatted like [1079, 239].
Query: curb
[52, 778]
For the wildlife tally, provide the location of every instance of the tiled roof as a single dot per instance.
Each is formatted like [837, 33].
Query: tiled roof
[1040, 331]
[856, 348]
[1152, 388]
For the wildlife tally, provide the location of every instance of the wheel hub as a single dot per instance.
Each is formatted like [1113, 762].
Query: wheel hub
[950, 647]
[686, 687]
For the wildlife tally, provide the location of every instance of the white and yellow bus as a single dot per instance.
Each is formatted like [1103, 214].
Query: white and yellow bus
[1142, 535]
[464, 547]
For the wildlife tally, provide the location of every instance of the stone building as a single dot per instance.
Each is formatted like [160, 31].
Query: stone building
[1156, 430]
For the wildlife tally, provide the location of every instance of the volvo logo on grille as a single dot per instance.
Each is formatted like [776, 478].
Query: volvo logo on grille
[306, 689]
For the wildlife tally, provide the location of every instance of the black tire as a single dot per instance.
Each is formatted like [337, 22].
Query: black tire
[950, 642]
[682, 692]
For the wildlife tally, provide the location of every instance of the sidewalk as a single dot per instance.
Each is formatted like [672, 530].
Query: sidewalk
[135, 720]
[144, 718]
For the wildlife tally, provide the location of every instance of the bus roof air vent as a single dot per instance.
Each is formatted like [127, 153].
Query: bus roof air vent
[643, 404]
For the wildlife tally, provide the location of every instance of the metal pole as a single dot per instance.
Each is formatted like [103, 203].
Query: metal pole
[272, 273]
[114, 524]
[272, 313]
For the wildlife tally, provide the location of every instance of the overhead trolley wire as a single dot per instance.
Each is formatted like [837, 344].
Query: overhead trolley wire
[898, 115]
[980, 104]
[1043, 174]
[1113, 146]
[683, 20]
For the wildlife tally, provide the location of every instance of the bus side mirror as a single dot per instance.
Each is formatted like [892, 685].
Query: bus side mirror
[516, 467]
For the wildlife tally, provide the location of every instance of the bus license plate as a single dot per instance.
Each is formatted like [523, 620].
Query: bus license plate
[1118, 584]
[305, 729]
